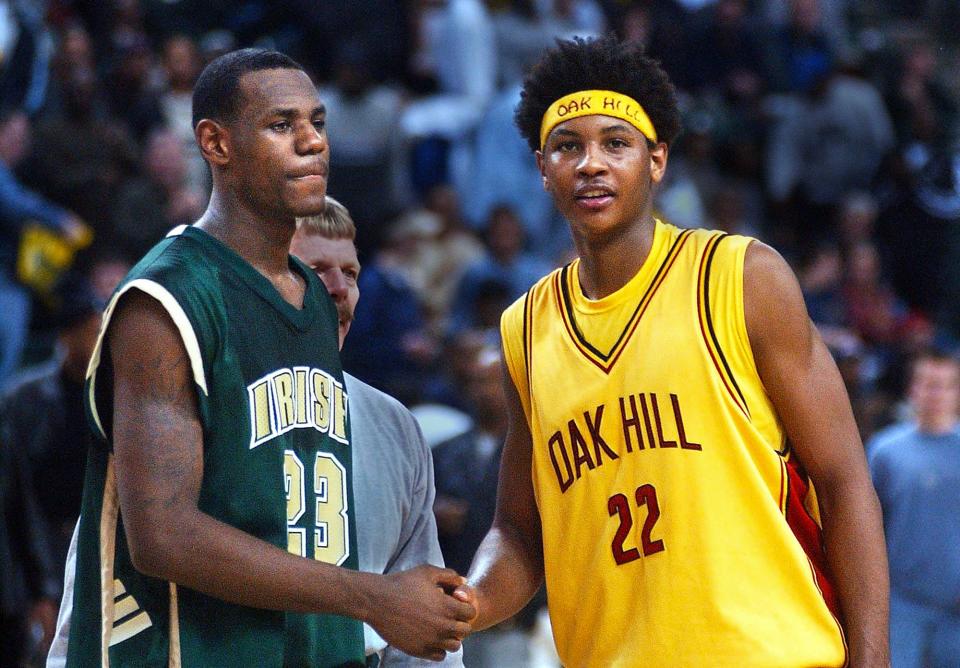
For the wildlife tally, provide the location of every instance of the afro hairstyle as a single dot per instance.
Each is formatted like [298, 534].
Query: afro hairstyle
[603, 63]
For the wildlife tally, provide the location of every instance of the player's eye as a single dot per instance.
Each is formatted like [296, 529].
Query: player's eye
[618, 143]
[320, 124]
[280, 126]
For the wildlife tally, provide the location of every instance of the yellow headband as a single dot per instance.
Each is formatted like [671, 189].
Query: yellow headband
[604, 102]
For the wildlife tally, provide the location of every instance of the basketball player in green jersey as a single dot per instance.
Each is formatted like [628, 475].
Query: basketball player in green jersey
[672, 410]
[218, 509]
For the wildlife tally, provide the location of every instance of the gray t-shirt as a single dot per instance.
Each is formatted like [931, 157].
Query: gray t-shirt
[393, 493]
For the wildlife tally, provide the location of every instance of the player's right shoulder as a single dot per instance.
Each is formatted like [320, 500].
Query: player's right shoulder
[514, 315]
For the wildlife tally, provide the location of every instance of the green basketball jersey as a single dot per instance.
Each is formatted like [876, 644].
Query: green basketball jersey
[277, 462]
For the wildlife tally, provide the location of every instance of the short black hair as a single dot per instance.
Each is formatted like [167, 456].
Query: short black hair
[216, 93]
[602, 63]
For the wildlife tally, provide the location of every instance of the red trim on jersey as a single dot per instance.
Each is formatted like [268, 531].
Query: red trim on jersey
[808, 533]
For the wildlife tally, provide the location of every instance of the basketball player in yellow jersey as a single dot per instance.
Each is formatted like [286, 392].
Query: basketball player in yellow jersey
[682, 465]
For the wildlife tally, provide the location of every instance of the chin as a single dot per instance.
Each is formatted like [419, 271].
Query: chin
[309, 206]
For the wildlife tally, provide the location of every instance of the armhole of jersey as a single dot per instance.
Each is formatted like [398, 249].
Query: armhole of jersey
[514, 333]
[725, 329]
[742, 338]
[180, 320]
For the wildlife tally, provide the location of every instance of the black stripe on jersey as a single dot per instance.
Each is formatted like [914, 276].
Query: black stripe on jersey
[709, 318]
[654, 283]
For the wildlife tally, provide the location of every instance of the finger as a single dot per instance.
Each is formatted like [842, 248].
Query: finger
[464, 593]
[462, 612]
[449, 578]
[451, 645]
[435, 654]
[461, 630]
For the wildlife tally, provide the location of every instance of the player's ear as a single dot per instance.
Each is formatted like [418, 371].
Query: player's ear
[543, 174]
[213, 140]
[658, 161]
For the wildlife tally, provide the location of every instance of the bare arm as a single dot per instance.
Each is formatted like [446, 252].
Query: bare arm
[508, 566]
[158, 448]
[806, 389]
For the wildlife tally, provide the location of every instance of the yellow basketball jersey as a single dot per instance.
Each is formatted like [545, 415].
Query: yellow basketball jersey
[677, 528]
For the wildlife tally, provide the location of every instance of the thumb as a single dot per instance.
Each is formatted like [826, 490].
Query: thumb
[462, 593]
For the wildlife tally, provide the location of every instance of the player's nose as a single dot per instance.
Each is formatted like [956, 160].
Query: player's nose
[592, 162]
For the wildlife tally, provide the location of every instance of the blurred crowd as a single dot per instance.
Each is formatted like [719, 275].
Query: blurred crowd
[827, 128]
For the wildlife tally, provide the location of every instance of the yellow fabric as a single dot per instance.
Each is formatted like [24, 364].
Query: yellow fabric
[603, 102]
[717, 578]
[43, 256]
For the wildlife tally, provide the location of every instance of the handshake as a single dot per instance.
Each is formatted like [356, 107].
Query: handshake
[425, 612]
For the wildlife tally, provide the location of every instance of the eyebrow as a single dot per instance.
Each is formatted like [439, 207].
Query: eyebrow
[287, 112]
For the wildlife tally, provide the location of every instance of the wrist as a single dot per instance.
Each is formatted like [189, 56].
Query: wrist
[361, 595]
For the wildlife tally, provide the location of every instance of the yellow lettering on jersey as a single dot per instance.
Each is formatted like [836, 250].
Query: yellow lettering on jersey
[582, 446]
[294, 399]
[339, 430]
[300, 374]
[322, 391]
[286, 413]
[259, 397]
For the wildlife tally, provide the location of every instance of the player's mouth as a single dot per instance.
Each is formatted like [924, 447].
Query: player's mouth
[316, 172]
[594, 198]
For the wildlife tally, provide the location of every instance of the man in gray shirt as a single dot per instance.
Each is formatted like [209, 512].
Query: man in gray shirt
[393, 468]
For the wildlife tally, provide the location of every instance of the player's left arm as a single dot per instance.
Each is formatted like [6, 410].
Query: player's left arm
[805, 387]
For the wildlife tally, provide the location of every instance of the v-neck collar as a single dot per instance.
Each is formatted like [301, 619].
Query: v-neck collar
[300, 318]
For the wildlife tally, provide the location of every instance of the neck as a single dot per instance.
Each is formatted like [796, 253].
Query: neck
[937, 425]
[262, 241]
[607, 263]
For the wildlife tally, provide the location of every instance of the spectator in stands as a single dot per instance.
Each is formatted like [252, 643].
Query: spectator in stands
[28, 580]
[181, 67]
[466, 469]
[55, 448]
[504, 174]
[431, 247]
[18, 206]
[149, 206]
[799, 51]
[504, 262]
[916, 471]
[131, 87]
[390, 347]
[80, 155]
[922, 108]
[462, 48]
[724, 51]
[822, 146]
[25, 60]
[362, 120]
[918, 228]
[872, 308]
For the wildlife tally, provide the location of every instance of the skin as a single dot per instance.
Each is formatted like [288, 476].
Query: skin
[269, 166]
[935, 394]
[335, 262]
[795, 367]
